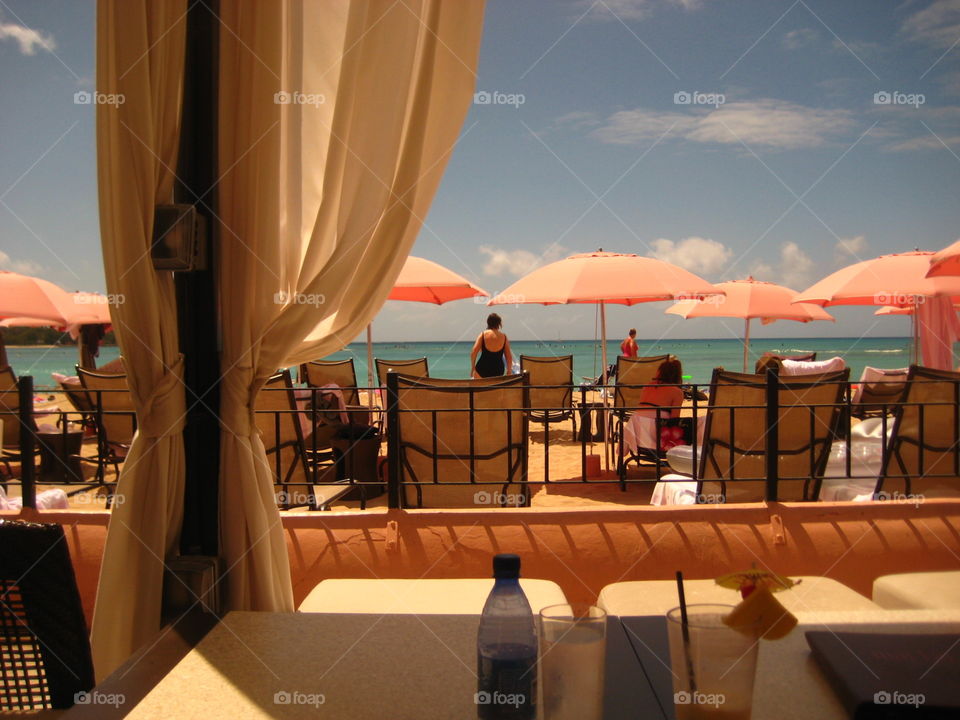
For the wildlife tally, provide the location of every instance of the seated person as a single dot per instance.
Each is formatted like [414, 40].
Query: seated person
[666, 391]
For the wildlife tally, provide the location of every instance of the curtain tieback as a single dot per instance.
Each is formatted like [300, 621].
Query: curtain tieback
[163, 412]
[237, 403]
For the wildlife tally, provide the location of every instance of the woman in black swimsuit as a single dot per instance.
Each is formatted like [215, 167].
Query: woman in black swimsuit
[493, 347]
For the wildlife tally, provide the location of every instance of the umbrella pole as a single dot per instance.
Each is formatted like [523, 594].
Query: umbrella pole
[746, 343]
[370, 365]
[603, 355]
[3, 351]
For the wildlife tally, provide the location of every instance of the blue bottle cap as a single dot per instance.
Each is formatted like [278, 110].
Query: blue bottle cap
[506, 566]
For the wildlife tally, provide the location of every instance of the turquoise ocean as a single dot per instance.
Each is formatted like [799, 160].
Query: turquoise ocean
[452, 359]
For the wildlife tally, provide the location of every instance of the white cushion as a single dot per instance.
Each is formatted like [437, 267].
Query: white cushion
[812, 367]
[918, 591]
[655, 597]
[460, 596]
[674, 490]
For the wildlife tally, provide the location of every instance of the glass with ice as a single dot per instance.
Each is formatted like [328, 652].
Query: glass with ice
[573, 642]
[721, 660]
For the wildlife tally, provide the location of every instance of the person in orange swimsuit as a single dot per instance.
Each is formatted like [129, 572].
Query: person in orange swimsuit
[629, 347]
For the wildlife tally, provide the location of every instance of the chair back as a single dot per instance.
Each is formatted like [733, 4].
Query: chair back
[634, 372]
[109, 397]
[342, 373]
[414, 368]
[462, 431]
[549, 404]
[878, 392]
[278, 422]
[10, 408]
[733, 465]
[46, 647]
[923, 456]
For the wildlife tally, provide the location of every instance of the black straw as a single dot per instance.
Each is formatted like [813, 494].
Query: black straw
[684, 627]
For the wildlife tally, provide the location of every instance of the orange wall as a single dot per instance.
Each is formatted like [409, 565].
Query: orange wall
[584, 549]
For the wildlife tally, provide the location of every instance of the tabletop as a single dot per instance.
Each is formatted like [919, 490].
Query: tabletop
[789, 683]
[293, 665]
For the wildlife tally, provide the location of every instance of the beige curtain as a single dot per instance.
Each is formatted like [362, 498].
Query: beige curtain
[338, 119]
[140, 50]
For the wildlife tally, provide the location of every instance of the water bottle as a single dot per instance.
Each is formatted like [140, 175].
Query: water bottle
[506, 648]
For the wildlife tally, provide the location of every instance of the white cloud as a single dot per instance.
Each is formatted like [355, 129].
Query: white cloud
[796, 39]
[633, 9]
[702, 256]
[24, 267]
[938, 24]
[851, 248]
[775, 124]
[28, 39]
[517, 262]
[926, 142]
[793, 268]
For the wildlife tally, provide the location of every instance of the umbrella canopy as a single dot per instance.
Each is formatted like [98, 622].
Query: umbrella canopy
[30, 297]
[899, 280]
[605, 277]
[945, 262]
[423, 280]
[749, 299]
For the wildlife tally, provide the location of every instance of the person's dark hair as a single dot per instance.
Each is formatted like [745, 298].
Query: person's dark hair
[670, 372]
[633, 332]
[493, 321]
[768, 362]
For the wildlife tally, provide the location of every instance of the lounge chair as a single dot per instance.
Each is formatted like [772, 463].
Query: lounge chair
[632, 375]
[878, 392]
[108, 395]
[923, 452]
[732, 460]
[298, 446]
[551, 394]
[318, 373]
[46, 651]
[10, 415]
[415, 368]
[472, 432]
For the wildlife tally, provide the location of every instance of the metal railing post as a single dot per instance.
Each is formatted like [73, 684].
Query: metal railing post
[772, 436]
[393, 443]
[27, 442]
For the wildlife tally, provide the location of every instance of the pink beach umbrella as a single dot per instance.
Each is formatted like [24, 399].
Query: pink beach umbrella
[899, 280]
[749, 299]
[946, 262]
[423, 280]
[605, 277]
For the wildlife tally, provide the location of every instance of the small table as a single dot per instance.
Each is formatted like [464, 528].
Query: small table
[59, 451]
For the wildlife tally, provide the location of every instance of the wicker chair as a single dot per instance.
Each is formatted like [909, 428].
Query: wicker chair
[923, 455]
[10, 415]
[461, 431]
[46, 650]
[878, 392]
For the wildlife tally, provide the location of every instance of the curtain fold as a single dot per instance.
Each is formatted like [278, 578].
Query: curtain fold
[140, 57]
[342, 117]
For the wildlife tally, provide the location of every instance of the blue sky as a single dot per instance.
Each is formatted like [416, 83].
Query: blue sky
[787, 165]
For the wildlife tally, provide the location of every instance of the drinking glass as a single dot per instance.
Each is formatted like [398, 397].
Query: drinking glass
[573, 642]
[714, 668]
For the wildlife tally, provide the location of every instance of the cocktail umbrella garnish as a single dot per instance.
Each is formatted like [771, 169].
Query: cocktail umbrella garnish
[749, 580]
